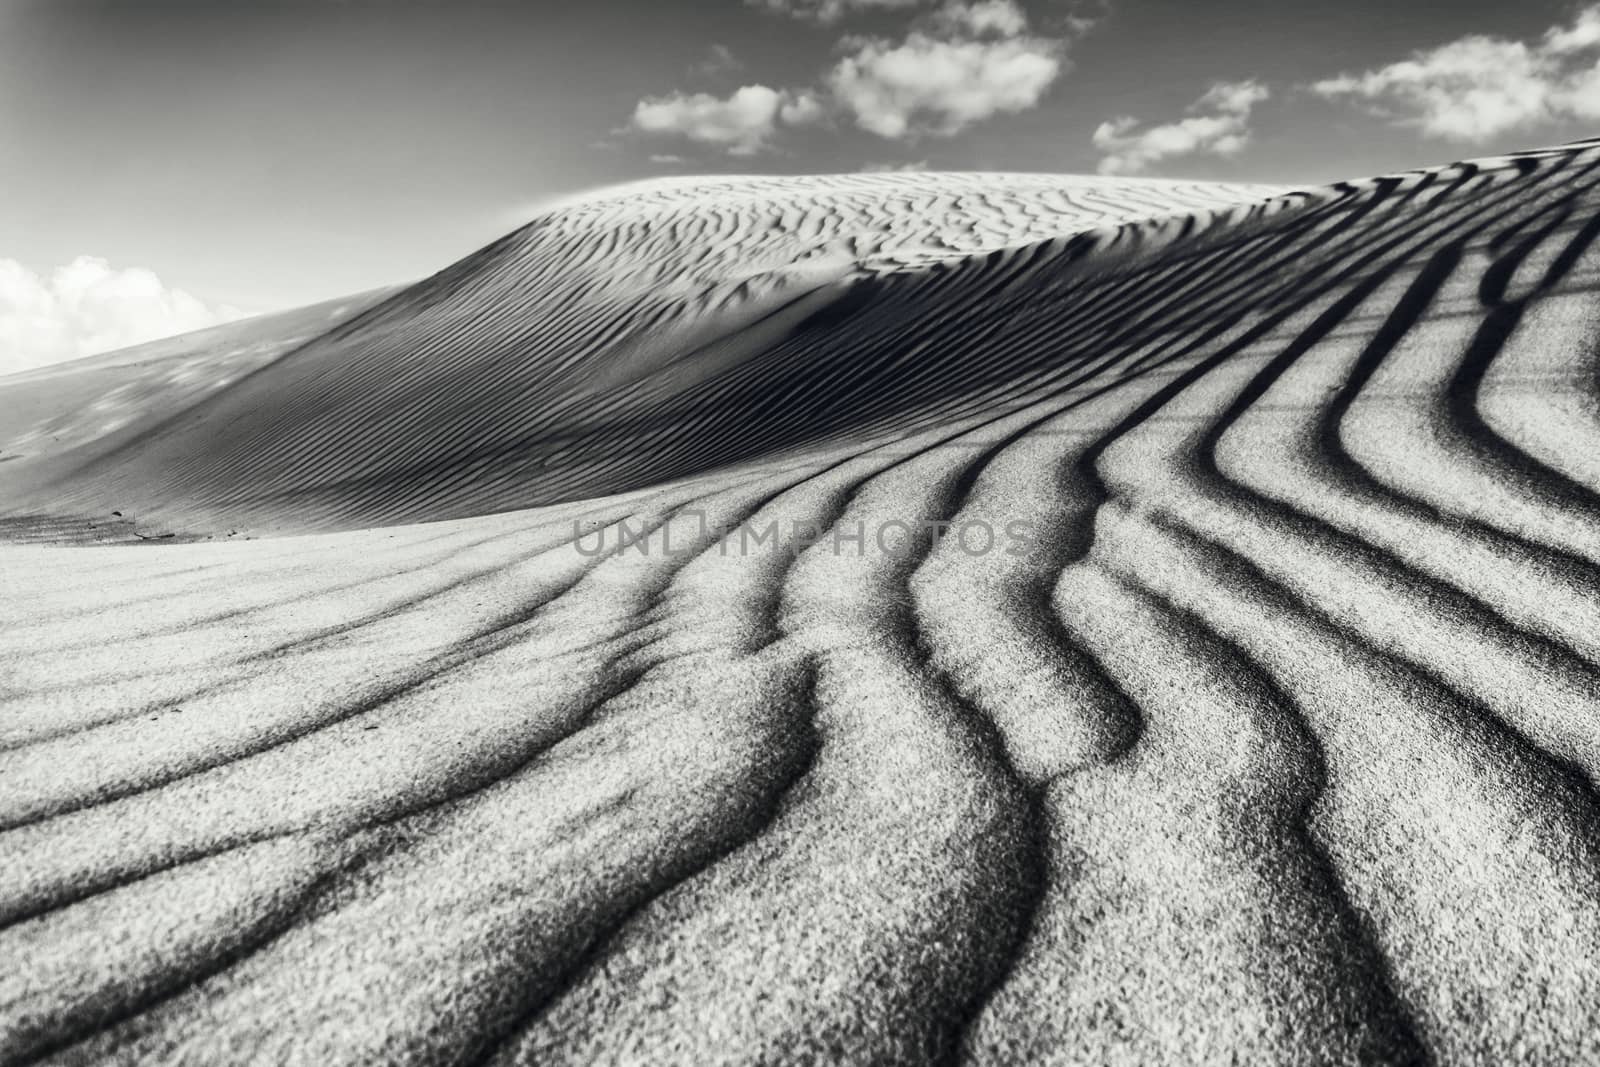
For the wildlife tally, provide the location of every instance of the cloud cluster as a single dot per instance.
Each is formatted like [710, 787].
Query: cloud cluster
[741, 124]
[87, 307]
[1217, 124]
[961, 63]
[1477, 87]
[925, 85]
[966, 62]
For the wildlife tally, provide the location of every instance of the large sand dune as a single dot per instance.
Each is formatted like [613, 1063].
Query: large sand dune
[1265, 730]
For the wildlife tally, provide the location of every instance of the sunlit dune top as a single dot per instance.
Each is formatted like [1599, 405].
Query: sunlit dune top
[872, 220]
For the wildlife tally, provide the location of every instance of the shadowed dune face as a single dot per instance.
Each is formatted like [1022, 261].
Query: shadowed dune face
[1270, 737]
[635, 322]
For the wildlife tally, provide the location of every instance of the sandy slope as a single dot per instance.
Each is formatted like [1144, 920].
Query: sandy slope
[1273, 737]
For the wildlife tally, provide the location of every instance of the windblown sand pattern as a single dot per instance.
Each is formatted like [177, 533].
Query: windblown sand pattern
[1274, 740]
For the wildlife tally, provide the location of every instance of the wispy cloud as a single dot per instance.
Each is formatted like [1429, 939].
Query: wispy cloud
[1477, 87]
[88, 306]
[895, 168]
[1217, 124]
[979, 18]
[829, 11]
[721, 60]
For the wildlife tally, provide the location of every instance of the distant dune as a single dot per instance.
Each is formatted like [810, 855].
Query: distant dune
[892, 618]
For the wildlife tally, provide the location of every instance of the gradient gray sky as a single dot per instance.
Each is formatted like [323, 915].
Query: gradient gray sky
[269, 154]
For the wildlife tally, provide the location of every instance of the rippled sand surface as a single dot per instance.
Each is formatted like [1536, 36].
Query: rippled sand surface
[893, 618]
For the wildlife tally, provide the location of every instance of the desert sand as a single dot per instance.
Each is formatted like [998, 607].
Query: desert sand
[1264, 730]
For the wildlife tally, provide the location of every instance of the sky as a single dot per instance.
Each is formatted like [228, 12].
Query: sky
[172, 163]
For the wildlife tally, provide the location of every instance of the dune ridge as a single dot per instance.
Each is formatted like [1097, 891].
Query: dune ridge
[1274, 740]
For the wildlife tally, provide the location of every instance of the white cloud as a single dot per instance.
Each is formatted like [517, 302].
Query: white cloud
[668, 160]
[1476, 87]
[1232, 98]
[801, 109]
[1217, 124]
[929, 85]
[966, 62]
[828, 11]
[87, 307]
[1583, 34]
[742, 124]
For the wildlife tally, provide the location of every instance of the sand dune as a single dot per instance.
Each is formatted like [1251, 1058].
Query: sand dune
[1264, 727]
[603, 347]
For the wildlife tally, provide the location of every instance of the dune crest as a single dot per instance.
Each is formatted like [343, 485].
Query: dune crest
[1261, 730]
